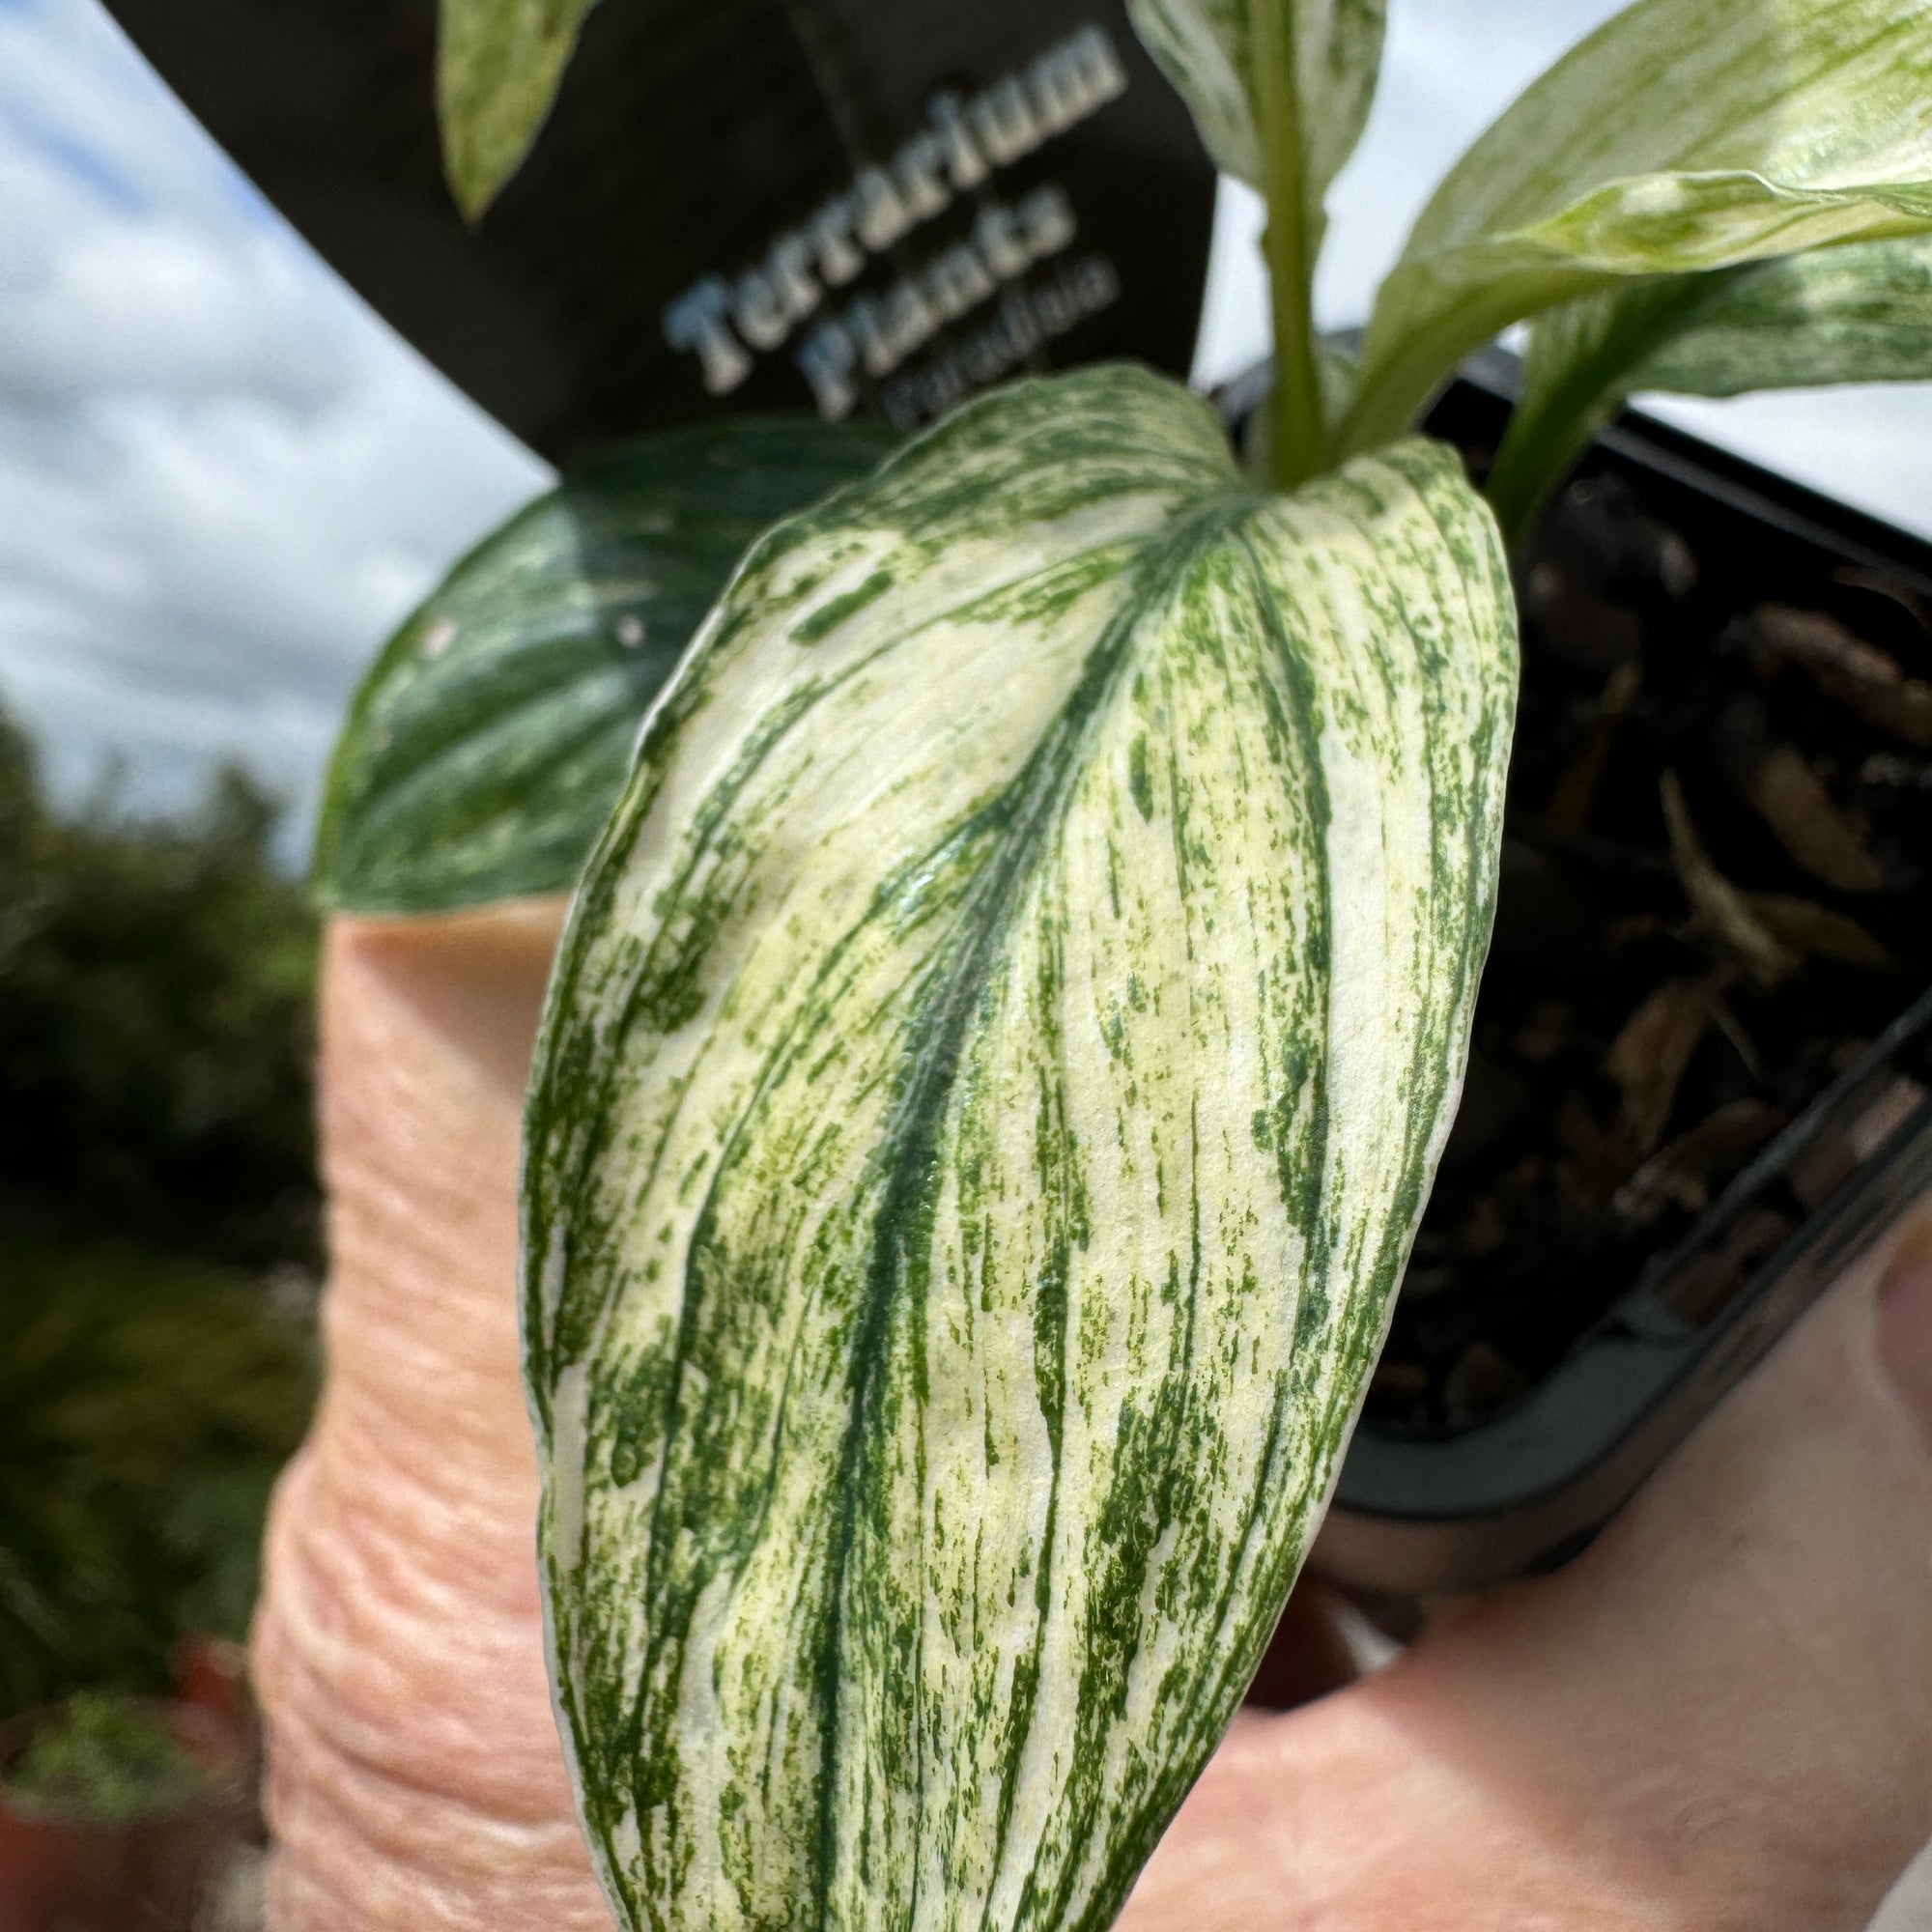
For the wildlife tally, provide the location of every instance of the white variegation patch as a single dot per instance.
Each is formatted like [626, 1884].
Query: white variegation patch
[1682, 136]
[989, 1084]
[1216, 53]
[1855, 314]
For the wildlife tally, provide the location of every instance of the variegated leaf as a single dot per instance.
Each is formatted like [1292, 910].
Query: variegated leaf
[1280, 90]
[1221, 54]
[1684, 135]
[1861, 314]
[991, 1079]
[1856, 314]
[499, 67]
[490, 740]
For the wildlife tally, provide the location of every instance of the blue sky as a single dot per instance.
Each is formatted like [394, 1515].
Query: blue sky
[223, 481]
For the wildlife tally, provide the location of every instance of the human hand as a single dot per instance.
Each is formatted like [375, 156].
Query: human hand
[1719, 1716]
[414, 1775]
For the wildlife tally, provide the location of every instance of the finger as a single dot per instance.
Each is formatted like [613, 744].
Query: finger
[414, 1775]
[1722, 1709]
[1719, 1716]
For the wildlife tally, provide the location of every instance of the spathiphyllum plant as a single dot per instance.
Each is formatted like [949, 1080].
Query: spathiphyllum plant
[1020, 981]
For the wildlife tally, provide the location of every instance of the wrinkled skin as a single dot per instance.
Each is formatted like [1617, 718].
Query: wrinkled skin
[414, 1775]
[1720, 1716]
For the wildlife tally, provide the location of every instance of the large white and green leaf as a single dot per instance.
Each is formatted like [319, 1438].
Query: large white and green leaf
[991, 1077]
[498, 66]
[1261, 74]
[1683, 136]
[490, 740]
[1856, 314]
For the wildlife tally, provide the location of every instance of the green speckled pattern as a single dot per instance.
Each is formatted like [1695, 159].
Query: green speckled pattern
[992, 1074]
[498, 63]
[490, 740]
[1682, 135]
[1210, 50]
[1862, 313]
[1856, 314]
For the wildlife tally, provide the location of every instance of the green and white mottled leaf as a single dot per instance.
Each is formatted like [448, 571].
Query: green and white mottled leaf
[498, 66]
[1684, 135]
[490, 740]
[1227, 56]
[991, 1077]
[1856, 314]
[1574, 377]
[1861, 314]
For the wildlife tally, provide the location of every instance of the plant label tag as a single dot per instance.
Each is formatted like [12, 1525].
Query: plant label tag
[855, 206]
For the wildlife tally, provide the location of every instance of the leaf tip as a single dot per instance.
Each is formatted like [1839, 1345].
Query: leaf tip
[498, 66]
[479, 153]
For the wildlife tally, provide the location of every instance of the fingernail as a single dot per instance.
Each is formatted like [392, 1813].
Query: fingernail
[1905, 1323]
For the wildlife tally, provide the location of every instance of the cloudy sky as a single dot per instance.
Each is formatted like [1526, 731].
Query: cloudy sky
[223, 481]
[1450, 68]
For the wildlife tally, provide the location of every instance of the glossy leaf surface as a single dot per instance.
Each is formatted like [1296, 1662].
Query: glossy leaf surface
[490, 740]
[1684, 135]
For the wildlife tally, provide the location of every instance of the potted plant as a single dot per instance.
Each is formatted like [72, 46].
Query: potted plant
[1701, 1044]
[117, 1809]
[1009, 1025]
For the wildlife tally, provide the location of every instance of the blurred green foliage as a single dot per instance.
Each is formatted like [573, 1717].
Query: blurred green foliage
[103, 1760]
[155, 1178]
[156, 989]
[145, 1408]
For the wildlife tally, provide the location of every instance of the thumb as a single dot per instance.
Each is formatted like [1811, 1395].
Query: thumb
[414, 1775]
[1720, 1715]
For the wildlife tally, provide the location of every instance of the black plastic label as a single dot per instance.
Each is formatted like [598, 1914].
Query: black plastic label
[869, 205]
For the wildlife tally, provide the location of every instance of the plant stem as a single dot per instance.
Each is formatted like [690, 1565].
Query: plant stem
[1571, 390]
[1540, 446]
[1299, 437]
[1400, 377]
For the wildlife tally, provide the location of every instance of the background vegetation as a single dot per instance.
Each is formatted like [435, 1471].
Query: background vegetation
[158, 1222]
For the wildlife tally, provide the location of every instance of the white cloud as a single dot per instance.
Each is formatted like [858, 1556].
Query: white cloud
[223, 481]
[163, 308]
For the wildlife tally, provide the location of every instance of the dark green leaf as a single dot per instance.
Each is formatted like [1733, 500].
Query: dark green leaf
[487, 745]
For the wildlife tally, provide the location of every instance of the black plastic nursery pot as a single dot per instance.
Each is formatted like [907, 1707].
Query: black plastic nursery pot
[1701, 1076]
